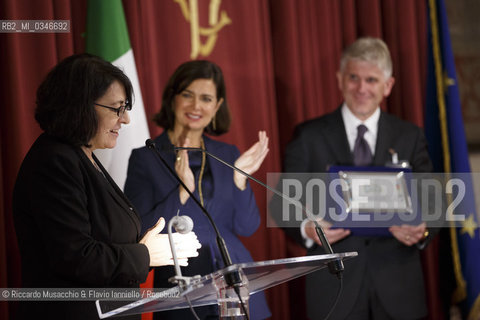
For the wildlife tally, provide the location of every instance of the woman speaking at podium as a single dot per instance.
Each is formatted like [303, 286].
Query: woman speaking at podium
[194, 104]
[75, 227]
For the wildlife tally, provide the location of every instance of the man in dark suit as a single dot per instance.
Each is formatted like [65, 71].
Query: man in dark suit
[385, 281]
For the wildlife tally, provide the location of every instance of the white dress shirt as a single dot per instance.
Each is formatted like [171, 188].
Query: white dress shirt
[352, 122]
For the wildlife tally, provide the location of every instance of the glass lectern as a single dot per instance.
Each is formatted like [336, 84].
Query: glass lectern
[212, 288]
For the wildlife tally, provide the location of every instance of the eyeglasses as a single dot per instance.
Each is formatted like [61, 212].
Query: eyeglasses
[120, 110]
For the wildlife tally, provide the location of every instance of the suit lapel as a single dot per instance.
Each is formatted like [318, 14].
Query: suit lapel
[337, 138]
[119, 196]
[215, 167]
[164, 147]
[384, 141]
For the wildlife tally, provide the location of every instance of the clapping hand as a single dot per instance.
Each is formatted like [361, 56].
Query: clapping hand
[251, 160]
[182, 167]
[158, 246]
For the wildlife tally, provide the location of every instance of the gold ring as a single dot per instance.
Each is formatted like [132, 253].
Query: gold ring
[425, 235]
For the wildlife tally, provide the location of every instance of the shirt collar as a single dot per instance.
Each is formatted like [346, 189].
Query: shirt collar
[352, 122]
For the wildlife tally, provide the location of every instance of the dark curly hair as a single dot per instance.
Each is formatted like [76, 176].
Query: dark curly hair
[65, 99]
[185, 74]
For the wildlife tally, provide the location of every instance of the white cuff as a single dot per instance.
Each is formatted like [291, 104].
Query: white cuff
[308, 242]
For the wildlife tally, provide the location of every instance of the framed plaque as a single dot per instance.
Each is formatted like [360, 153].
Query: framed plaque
[375, 191]
[368, 200]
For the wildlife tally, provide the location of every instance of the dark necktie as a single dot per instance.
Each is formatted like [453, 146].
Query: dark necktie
[362, 155]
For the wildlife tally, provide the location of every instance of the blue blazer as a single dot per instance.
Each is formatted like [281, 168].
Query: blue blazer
[154, 192]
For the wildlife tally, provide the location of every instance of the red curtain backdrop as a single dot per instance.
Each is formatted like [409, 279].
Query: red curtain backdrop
[279, 58]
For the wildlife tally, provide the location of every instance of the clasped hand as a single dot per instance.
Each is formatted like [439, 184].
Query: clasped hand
[406, 234]
[158, 246]
[332, 235]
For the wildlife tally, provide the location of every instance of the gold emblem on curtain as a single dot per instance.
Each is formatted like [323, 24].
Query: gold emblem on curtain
[190, 12]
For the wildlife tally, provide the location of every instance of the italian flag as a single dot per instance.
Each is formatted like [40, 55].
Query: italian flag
[107, 37]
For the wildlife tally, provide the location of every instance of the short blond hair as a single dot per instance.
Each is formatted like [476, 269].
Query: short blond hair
[369, 49]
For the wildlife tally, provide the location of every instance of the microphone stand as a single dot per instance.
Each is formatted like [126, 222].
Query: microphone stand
[182, 226]
[233, 278]
[336, 266]
[178, 272]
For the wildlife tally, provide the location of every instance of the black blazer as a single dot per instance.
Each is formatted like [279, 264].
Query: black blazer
[394, 267]
[75, 228]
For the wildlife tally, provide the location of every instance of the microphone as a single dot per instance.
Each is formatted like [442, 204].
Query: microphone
[336, 266]
[182, 224]
[233, 278]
